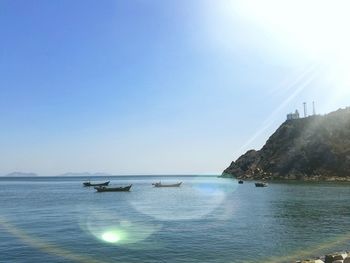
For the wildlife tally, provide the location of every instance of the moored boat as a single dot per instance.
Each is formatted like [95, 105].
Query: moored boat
[159, 184]
[240, 181]
[113, 189]
[99, 184]
[261, 184]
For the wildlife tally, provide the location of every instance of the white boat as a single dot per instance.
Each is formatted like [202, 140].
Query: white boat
[159, 184]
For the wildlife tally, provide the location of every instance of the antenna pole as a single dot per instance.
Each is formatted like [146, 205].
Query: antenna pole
[305, 109]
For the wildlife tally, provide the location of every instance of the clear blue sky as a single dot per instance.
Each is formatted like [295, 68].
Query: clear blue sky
[152, 87]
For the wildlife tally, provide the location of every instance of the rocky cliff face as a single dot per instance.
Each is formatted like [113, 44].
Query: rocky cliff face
[313, 148]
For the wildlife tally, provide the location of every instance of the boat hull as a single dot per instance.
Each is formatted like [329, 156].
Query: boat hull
[261, 184]
[167, 185]
[88, 184]
[113, 189]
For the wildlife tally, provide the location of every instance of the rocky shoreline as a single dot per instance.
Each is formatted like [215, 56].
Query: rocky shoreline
[338, 257]
[288, 178]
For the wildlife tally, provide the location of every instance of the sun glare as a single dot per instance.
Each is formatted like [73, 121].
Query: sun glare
[314, 25]
[317, 29]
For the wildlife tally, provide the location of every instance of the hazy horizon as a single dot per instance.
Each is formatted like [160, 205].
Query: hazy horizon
[97, 174]
[153, 87]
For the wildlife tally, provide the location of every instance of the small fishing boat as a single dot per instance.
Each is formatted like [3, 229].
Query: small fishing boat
[240, 181]
[166, 185]
[92, 184]
[261, 184]
[113, 189]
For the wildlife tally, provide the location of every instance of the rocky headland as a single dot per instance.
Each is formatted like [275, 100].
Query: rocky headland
[312, 148]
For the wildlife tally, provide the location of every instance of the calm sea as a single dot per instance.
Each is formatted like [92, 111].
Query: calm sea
[206, 220]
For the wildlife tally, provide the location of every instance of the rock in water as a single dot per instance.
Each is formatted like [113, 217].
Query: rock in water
[311, 261]
[335, 258]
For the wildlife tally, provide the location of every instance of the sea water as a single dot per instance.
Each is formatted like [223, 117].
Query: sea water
[207, 219]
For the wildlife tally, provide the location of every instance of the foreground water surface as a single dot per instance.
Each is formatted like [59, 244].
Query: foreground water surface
[207, 219]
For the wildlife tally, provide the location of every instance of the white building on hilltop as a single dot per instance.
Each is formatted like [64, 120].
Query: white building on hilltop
[293, 116]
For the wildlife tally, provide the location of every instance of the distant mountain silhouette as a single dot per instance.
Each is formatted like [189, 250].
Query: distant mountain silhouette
[84, 174]
[21, 174]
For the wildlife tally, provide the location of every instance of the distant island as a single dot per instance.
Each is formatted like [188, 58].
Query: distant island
[84, 174]
[312, 148]
[71, 174]
[20, 174]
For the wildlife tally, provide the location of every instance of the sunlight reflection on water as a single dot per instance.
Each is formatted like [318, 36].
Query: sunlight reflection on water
[64, 222]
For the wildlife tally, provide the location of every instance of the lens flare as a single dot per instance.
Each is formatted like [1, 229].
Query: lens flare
[195, 199]
[46, 247]
[111, 237]
[114, 229]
